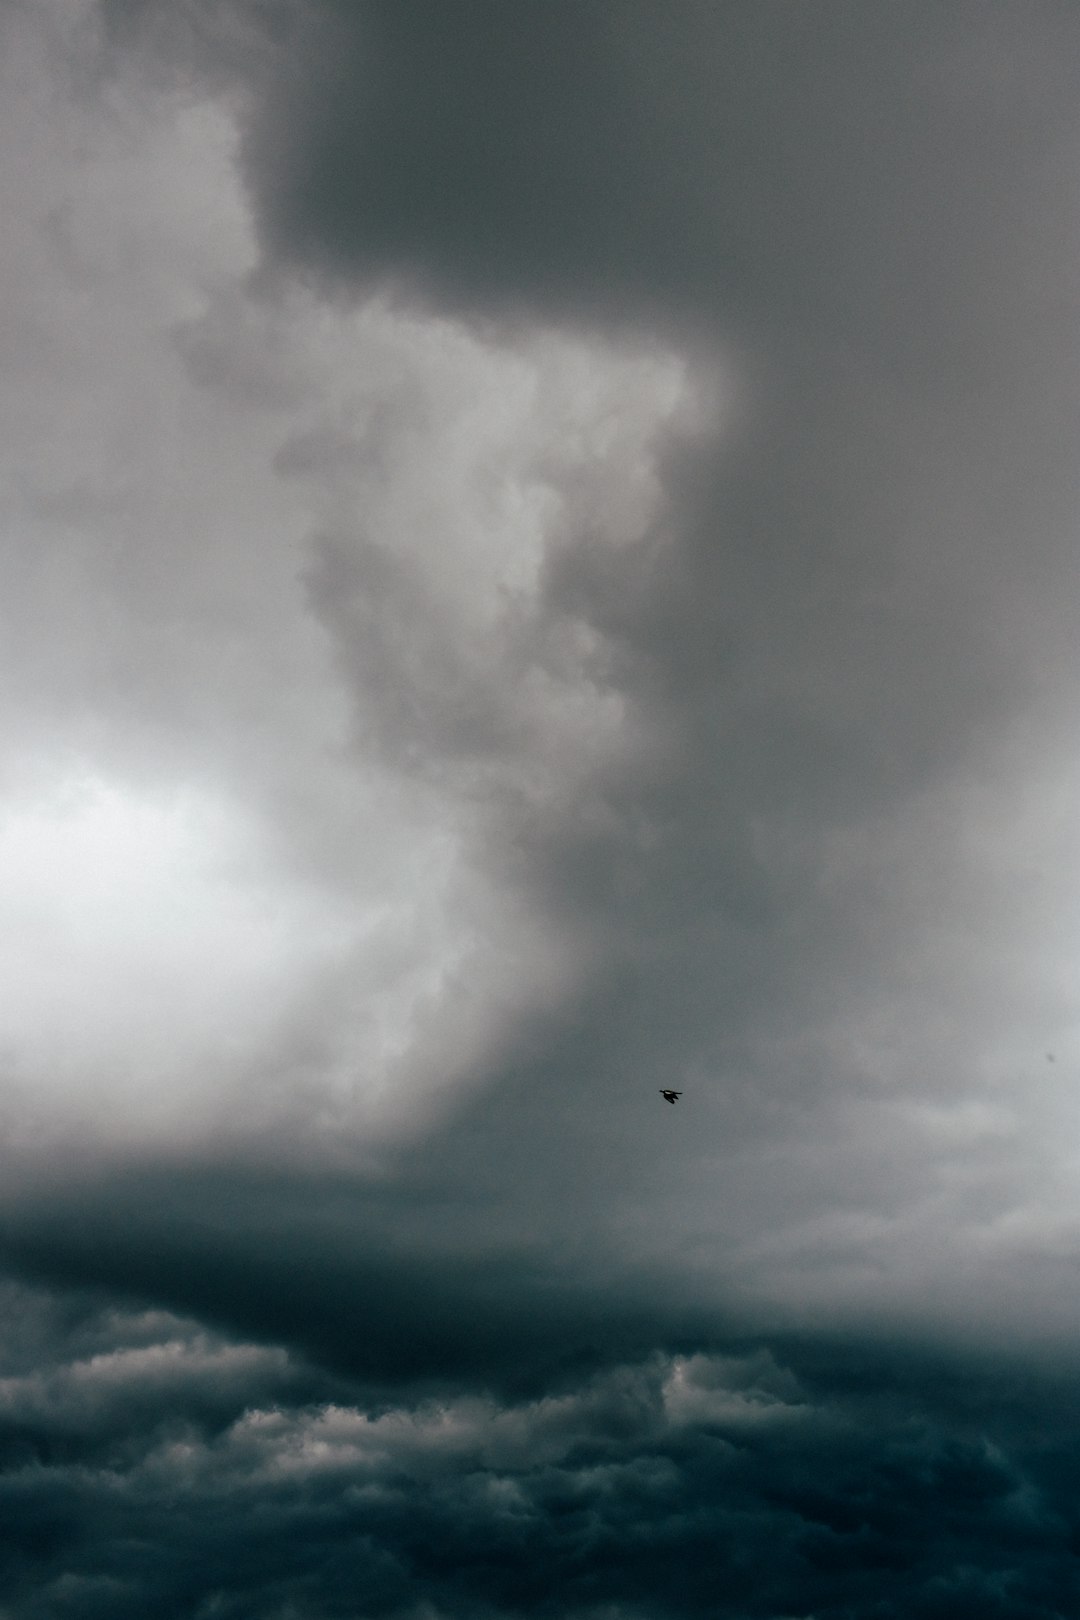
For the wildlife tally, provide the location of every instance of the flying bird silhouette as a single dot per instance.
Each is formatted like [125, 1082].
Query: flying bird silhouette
[668, 1095]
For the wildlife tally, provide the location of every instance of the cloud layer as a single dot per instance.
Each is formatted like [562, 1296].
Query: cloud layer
[172, 1471]
[537, 563]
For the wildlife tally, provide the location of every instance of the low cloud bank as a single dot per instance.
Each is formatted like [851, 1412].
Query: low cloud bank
[148, 1466]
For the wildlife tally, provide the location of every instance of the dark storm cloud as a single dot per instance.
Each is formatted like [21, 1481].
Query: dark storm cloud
[749, 1481]
[823, 635]
[822, 168]
[810, 635]
[831, 625]
[362, 1285]
[830, 633]
[739, 749]
[851, 197]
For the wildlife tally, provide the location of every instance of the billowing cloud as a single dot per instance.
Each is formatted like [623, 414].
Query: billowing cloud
[751, 1480]
[537, 563]
[302, 662]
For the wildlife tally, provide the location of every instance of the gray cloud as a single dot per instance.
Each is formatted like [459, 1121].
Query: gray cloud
[749, 1479]
[578, 736]
[538, 564]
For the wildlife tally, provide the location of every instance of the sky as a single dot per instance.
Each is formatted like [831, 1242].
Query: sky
[539, 562]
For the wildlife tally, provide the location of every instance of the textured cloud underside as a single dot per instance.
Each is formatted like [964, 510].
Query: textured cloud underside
[537, 563]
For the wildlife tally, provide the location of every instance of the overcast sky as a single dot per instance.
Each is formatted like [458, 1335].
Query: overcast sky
[540, 561]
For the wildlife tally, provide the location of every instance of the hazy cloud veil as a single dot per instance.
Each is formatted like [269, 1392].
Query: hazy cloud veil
[539, 562]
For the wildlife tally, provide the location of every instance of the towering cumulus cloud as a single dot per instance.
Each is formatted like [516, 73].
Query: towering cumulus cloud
[539, 564]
